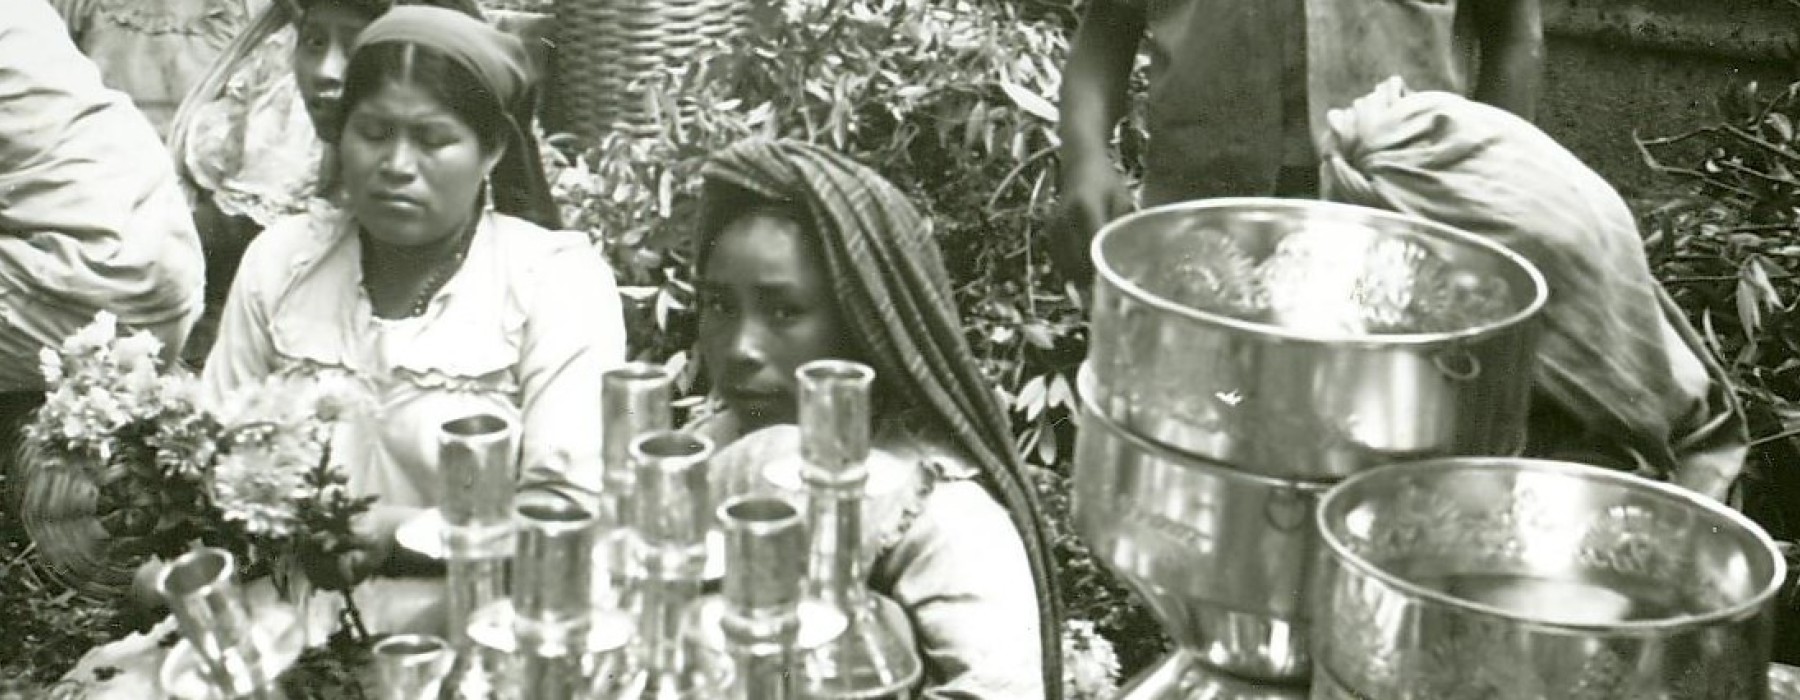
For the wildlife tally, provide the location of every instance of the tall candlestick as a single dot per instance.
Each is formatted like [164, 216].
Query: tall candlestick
[634, 400]
[479, 458]
[870, 659]
[550, 597]
[671, 513]
[765, 558]
[200, 587]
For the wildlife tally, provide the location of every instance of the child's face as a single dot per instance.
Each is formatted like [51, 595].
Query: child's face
[326, 33]
[766, 308]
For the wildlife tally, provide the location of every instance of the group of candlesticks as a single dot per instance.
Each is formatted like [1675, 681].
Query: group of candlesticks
[552, 594]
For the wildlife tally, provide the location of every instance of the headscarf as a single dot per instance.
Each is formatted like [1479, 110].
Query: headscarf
[500, 64]
[891, 284]
[297, 8]
[1616, 356]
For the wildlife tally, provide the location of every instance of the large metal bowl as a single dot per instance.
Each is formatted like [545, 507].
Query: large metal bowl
[1310, 340]
[1223, 557]
[1511, 578]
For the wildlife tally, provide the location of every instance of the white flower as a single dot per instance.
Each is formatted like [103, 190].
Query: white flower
[94, 336]
[73, 427]
[336, 396]
[137, 351]
[1090, 668]
[107, 408]
[51, 364]
[267, 401]
[178, 389]
[253, 487]
[141, 391]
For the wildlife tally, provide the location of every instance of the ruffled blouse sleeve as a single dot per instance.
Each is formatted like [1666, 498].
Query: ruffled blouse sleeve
[959, 569]
[245, 350]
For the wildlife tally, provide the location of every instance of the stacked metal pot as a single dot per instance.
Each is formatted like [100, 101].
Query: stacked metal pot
[1298, 441]
[1246, 356]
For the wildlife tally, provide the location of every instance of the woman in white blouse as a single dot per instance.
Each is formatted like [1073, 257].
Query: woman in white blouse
[441, 281]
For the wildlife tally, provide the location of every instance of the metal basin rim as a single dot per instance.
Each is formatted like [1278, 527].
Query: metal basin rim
[1334, 501]
[1111, 277]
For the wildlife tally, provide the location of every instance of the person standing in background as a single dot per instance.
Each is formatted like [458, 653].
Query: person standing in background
[1238, 91]
[155, 50]
[91, 217]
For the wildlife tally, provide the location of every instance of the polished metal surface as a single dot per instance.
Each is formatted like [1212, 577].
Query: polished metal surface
[1515, 578]
[1223, 557]
[765, 554]
[1310, 340]
[634, 399]
[875, 656]
[672, 518]
[1784, 682]
[478, 459]
[201, 589]
[411, 666]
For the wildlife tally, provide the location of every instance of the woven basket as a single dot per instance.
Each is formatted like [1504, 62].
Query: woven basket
[604, 46]
[55, 506]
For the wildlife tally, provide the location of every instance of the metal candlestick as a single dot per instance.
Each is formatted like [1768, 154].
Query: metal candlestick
[869, 659]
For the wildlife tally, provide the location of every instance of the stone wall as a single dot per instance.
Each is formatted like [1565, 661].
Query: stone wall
[1655, 66]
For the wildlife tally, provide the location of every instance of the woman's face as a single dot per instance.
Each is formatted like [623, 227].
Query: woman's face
[766, 308]
[412, 169]
[326, 34]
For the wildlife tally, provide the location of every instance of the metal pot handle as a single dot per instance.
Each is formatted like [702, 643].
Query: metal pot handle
[1287, 509]
[1458, 364]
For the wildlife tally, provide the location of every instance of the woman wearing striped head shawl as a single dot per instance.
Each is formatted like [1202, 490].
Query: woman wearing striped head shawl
[803, 255]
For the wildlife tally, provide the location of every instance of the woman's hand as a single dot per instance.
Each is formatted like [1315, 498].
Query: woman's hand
[371, 550]
[1093, 193]
[348, 566]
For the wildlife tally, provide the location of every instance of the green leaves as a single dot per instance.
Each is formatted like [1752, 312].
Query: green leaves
[1030, 102]
[1726, 246]
[1728, 249]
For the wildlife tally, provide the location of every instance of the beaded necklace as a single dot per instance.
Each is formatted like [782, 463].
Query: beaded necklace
[440, 274]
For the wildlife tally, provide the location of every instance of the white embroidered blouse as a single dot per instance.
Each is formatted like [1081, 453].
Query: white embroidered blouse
[524, 329]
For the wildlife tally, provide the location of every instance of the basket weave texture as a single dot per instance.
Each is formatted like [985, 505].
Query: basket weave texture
[603, 47]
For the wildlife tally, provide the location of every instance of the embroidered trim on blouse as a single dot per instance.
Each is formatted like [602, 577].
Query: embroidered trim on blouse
[910, 513]
[437, 379]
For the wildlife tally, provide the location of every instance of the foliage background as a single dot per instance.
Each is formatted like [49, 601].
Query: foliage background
[1724, 239]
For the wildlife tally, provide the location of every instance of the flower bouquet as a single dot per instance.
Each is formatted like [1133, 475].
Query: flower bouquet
[172, 468]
